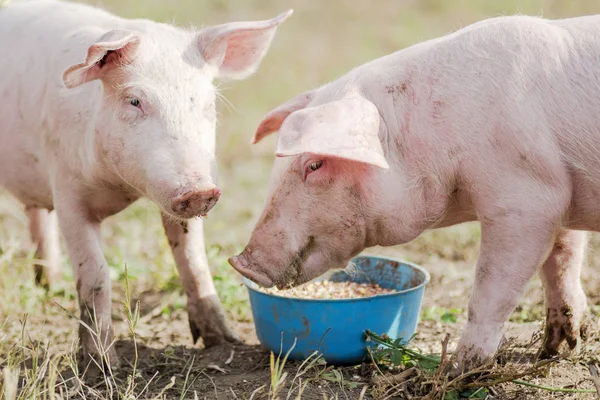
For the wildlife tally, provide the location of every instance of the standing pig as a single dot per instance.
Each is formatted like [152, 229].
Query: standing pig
[97, 111]
[498, 122]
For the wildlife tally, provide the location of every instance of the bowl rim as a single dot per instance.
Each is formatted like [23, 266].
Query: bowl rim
[249, 284]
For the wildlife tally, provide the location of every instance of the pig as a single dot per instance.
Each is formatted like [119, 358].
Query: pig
[98, 111]
[497, 122]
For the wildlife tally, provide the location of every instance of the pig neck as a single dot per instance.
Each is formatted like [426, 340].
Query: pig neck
[421, 189]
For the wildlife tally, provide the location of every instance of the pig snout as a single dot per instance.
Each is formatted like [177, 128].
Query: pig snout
[196, 201]
[241, 264]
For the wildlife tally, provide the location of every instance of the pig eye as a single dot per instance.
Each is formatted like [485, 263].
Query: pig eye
[134, 102]
[315, 165]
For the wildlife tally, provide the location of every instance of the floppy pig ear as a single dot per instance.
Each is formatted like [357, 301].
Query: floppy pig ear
[237, 48]
[116, 47]
[347, 128]
[273, 120]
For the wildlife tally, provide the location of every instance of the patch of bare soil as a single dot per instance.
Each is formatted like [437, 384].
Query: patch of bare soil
[230, 372]
[166, 364]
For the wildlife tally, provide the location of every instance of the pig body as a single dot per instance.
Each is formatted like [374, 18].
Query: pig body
[98, 111]
[497, 122]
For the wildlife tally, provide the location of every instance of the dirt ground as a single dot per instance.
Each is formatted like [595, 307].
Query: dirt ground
[169, 366]
[235, 372]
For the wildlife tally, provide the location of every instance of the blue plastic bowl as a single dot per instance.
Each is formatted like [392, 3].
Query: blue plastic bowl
[335, 328]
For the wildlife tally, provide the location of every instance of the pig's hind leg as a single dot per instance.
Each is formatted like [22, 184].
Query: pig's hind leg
[565, 299]
[43, 228]
[205, 311]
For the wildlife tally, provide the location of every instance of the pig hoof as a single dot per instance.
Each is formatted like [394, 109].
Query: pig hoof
[207, 321]
[44, 277]
[97, 354]
[561, 327]
[454, 369]
[457, 368]
[41, 278]
[95, 365]
[469, 358]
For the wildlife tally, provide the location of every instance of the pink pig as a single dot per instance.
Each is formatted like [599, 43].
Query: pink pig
[498, 122]
[97, 111]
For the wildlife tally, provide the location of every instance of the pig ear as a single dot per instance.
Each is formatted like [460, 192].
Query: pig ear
[273, 120]
[116, 47]
[237, 48]
[347, 128]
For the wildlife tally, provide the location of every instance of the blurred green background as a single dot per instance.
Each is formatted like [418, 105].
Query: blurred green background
[321, 41]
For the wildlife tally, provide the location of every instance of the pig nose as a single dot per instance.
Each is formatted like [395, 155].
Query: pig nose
[195, 202]
[241, 265]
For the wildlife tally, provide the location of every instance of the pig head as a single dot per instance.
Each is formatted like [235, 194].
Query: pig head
[155, 125]
[318, 212]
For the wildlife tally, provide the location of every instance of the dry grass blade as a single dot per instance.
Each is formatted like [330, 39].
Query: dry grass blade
[256, 391]
[215, 367]
[363, 392]
[164, 389]
[187, 384]
[230, 359]
[595, 378]
[212, 381]
[445, 349]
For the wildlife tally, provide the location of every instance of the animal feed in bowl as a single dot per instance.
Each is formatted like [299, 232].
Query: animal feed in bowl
[328, 290]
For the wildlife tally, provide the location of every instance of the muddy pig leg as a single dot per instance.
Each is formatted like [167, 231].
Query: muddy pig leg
[205, 311]
[565, 299]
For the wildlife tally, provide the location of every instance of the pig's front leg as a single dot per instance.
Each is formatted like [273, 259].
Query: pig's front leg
[205, 311]
[81, 232]
[512, 248]
[43, 227]
[565, 299]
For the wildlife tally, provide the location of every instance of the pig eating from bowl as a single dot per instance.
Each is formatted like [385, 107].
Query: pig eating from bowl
[497, 122]
[97, 111]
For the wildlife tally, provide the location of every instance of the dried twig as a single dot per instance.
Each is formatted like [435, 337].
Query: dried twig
[445, 348]
[502, 378]
[255, 391]
[362, 392]
[216, 368]
[396, 379]
[552, 389]
[595, 378]
[213, 383]
[230, 359]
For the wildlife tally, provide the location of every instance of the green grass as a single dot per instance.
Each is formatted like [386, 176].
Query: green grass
[445, 315]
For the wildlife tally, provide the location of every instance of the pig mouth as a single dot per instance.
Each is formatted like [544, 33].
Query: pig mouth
[240, 264]
[293, 274]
